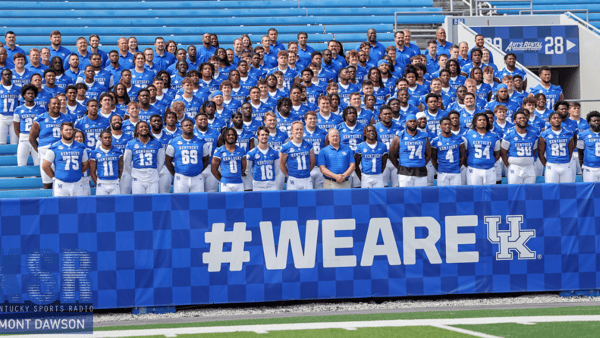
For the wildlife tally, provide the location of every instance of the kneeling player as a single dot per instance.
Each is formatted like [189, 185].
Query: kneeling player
[447, 155]
[374, 155]
[106, 166]
[265, 161]
[185, 158]
[70, 160]
[556, 146]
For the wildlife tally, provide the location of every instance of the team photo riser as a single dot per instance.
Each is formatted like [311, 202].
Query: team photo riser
[270, 117]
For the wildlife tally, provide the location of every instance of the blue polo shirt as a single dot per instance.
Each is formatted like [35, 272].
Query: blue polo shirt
[337, 161]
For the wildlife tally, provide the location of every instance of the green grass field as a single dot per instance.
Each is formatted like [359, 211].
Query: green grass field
[578, 321]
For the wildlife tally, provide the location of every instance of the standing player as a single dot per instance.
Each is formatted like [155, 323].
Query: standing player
[588, 146]
[297, 159]
[447, 155]
[556, 145]
[409, 152]
[276, 140]
[120, 140]
[186, 157]
[210, 136]
[144, 158]
[265, 161]
[45, 131]
[9, 100]
[316, 136]
[374, 157]
[483, 150]
[106, 166]
[23, 119]
[229, 162]
[386, 131]
[519, 147]
[165, 177]
[65, 162]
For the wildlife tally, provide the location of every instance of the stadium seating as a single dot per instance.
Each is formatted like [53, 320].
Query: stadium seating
[554, 5]
[186, 21]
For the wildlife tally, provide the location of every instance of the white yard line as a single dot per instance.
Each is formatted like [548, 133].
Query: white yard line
[469, 332]
[442, 323]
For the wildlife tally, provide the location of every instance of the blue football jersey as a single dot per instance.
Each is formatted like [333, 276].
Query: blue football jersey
[412, 149]
[259, 111]
[557, 145]
[277, 140]
[457, 82]
[448, 153]
[317, 138]
[264, 164]
[145, 114]
[25, 116]
[501, 130]
[92, 129]
[252, 126]
[9, 99]
[330, 122]
[107, 162]
[511, 108]
[239, 94]
[552, 94]
[364, 117]
[298, 161]
[187, 155]
[243, 140]
[210, 137]
[42, 99]
[466, 118]
[216, 124]
[589, 141]
[351, 136]
[19, 80]
[143, 79]
[192, 106]
[120, 142]
[50, 128]
[224, 115]
[313, 92]
[144, 156]
[231, 164]
[128, 127]
[232, 105]
[544, 115]
[520, 146]
[433, 122]
[480, 149]
[344, 93]
[386, 135]
[67, 160]
[285, 123]
[371, 157]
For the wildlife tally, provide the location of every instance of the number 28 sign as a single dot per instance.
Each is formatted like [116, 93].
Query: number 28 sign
[536, 46]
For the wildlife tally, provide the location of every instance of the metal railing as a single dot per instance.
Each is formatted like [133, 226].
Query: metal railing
[479, 10]
[466, 2]
[562, 11]
[442, 13]
[586, 24]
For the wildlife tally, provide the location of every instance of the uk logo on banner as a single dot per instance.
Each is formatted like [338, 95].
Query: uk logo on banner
[512, 240]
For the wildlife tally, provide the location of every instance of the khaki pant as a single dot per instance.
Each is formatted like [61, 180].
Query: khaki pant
[328, 184]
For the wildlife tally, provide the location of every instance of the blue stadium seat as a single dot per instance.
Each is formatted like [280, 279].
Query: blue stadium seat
[12, 161]
[8, 149]
[34, 193]
[14, 171]
[20, 183]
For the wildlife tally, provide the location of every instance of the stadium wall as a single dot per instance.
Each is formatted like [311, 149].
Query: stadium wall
[139, 251]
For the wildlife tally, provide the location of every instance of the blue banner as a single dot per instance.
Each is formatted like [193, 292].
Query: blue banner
[535, 46]
[152, 250]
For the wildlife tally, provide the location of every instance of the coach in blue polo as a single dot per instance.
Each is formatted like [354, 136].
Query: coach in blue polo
[336, 162]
